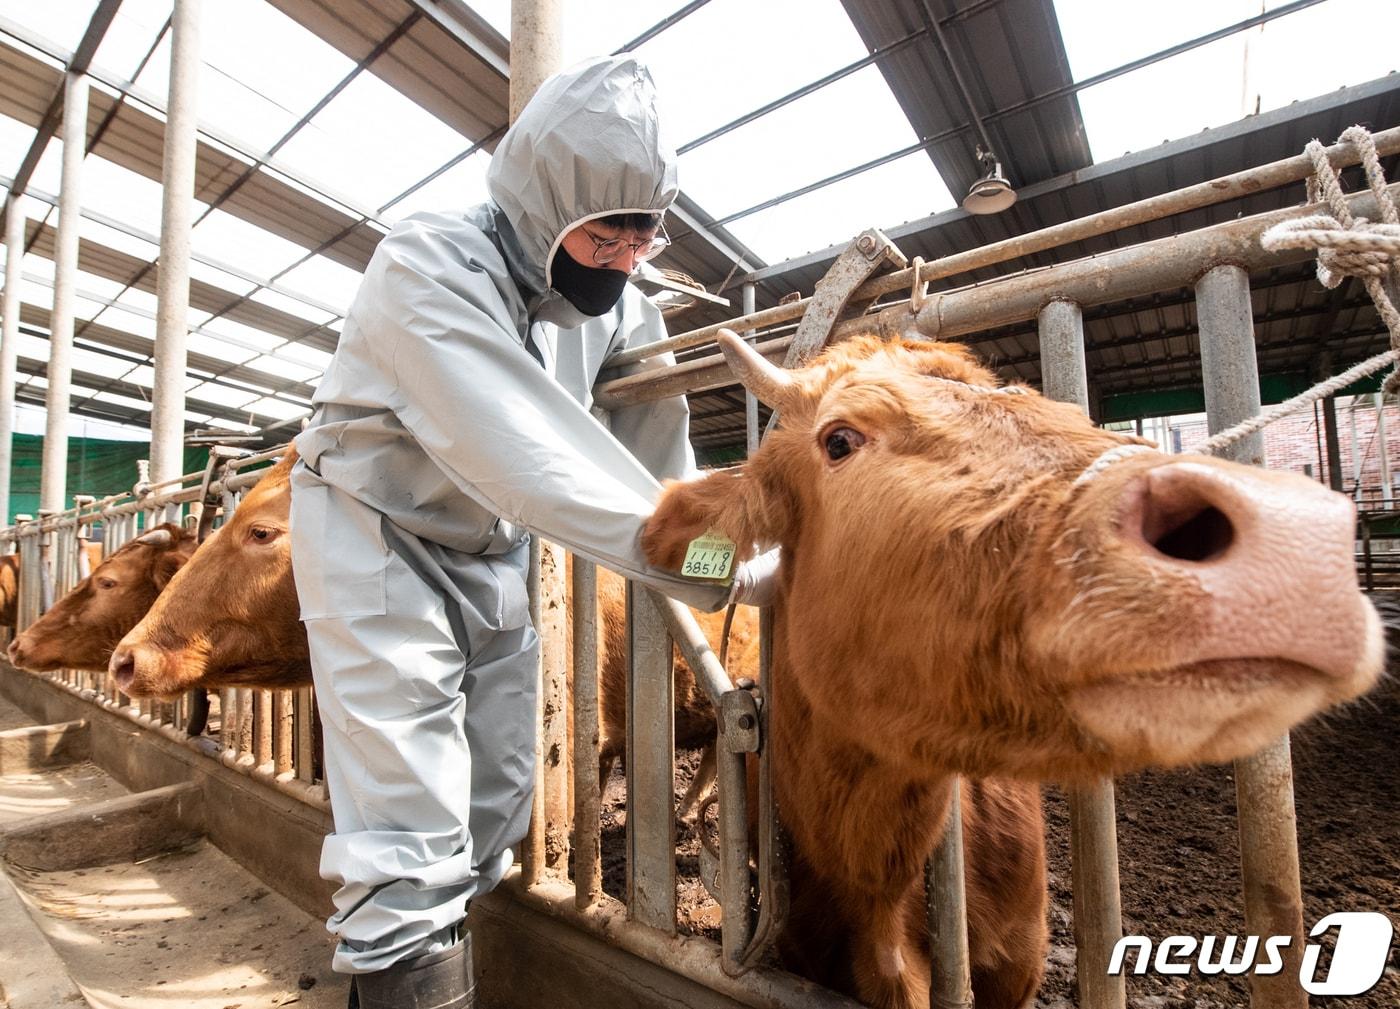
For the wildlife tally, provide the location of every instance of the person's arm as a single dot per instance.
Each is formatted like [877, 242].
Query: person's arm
[505, 432]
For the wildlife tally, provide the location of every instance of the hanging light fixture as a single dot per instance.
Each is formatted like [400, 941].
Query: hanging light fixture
[991, 194]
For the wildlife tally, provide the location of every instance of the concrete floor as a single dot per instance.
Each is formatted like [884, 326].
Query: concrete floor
[189, 929]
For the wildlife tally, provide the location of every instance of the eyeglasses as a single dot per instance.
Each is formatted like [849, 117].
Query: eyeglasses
[605, 250]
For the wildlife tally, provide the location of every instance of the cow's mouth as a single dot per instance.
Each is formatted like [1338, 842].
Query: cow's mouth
[1211, 710]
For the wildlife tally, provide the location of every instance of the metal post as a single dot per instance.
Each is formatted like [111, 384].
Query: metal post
[1355, 448]
[750, 400]
[951, 984]
[9, 346]
[588, 865]
[1098, 914]
[553, 768]
[1263, 782]
[54, 473]
[1334, 444]
[651, 815]
[536, 28]
[1383, 452]
[173, 277]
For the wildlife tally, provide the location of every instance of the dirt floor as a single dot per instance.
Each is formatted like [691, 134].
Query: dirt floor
[1179, 855]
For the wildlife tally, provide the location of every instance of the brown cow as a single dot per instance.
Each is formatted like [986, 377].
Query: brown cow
[89, 556]
[964, 592]
[81, 629]
[230, 619]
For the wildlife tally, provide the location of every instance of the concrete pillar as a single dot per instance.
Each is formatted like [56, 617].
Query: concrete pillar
[173, 277]
[1334, 445]
[9, 347]
[53, 476]
[1273, 896]
[536, 33]
[1098, 910]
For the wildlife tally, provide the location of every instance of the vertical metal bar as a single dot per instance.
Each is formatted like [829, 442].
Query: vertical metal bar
[173, 278]
[651, 815]
[588, 866]
[554, 768]
[1383, 453]
[1355, 448]
[1334, 444]
[303, 714]
[951, 984]
[731, 776]
[9, 344]
[536, 33]
[750, 400]
[283, 756]
[262, 729]
[245, 722]
[532, 855]
[1263, 782]
[1098, 916]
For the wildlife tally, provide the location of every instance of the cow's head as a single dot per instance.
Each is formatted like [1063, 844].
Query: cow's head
[82, 628]
[960, 589]
[230, 616]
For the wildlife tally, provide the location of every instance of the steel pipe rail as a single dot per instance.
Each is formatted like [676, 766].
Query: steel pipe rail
[685, 631]
[1204, 194]
[1113, 276]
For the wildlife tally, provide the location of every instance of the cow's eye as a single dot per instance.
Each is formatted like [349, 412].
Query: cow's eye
[261, 534]
[107, 583]
[840, 442]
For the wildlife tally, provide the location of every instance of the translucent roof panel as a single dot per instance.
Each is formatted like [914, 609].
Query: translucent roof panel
[463, 185]
[902, 190]
[370, 143]
[99, 364]
[279, 367]
[130, 322]
[316, 361]
[231, 240]
[278, 408]
[785, 150]
[1256, 70]
[209, 346]
[221, 279]
[114, 238]
[15, 140]
[223, 395]
[697, 96]
[323, 279]
[130, 35]
[63, 22]
[120, 193]
[237, 334]
[293, 306]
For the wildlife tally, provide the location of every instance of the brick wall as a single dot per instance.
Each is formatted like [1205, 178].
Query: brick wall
[1292, 443]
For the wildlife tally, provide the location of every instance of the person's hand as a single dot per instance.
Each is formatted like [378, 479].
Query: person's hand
[756, 581]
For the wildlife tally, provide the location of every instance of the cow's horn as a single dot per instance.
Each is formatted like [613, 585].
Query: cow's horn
[768, 382]
[157, 538]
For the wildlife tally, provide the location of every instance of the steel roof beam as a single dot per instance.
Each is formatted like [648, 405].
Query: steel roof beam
[473, 32]
[661, 26]
[77, 63]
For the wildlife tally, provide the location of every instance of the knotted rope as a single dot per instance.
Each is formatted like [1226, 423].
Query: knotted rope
[1346, 246]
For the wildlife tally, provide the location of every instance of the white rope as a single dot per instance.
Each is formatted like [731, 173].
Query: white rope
[1346, 247]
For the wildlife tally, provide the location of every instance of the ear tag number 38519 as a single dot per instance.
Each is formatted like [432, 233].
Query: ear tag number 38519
[709, 557]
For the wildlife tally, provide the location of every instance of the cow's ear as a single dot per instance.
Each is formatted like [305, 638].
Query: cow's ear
[166, 567]
[733, 501]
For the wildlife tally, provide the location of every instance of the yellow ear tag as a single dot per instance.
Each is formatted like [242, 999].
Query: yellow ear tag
[709, 557]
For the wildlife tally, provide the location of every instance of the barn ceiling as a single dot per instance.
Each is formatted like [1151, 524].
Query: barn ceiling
[291, 210]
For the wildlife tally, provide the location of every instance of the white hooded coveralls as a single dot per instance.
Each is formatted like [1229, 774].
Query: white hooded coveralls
[454, 420]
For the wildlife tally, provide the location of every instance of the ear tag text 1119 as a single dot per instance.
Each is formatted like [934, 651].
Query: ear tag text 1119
[709, 557]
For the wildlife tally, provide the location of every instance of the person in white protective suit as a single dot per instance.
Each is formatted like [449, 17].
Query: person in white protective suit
[455, 420]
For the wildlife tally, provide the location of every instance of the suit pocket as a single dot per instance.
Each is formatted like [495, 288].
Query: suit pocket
[338, 552]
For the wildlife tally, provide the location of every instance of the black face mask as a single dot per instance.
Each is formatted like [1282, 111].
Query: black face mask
[591, 291]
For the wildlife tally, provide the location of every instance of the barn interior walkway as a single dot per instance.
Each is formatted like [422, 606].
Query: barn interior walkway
[189, 928]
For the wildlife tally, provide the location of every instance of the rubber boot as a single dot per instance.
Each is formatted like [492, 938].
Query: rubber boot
[441, 980]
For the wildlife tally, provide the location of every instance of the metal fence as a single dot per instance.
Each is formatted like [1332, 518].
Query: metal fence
[268, 735]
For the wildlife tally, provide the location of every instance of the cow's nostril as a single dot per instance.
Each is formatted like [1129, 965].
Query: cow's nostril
[1200, 535]
[123, 667]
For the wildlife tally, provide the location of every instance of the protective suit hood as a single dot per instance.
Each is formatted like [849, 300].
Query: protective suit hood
[588, 144]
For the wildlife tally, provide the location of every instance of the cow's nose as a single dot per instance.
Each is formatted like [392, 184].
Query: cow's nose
[16, 652]
[122, 666]
[1274, 553]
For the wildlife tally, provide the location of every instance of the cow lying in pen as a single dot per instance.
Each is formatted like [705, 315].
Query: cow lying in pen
[230, 619]
[964, 592]
[81, 629]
